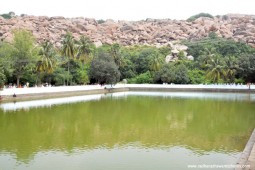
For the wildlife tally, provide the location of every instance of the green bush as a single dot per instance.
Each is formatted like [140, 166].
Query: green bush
[173, 73]
[141, 79]
[196, 76]
[100, 21]
[217, 45]
[241, 81]
[8, 16]
[194, 17]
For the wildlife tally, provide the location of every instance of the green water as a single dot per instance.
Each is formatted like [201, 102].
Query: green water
[126, 131]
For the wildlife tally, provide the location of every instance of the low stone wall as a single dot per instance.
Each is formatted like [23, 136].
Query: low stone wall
[34, 96]
[192, 90]
[56, 92]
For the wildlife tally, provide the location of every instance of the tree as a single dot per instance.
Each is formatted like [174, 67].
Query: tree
[165, 74]
[60, 76]
[85, 48]
[115, 52]
[83, 77]
[216, 71]
[142, 61]
[156, 61]
[5, 61]
[206, 57]
[231, 64]
[246, 69]
[165, 50]
[23, 53]
[181, 74]
[217, 45]
[47, 60]
[128, 70]
[68, 50]
[103, 69]
[196, 76]
[2, 77]
[173, 73]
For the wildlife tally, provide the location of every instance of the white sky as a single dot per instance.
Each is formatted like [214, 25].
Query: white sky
[127, 9]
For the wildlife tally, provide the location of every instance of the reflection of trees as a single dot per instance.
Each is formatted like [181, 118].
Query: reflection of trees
[153, 121]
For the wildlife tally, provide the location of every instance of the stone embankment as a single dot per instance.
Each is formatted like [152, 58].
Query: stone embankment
[247, 159]
[32, 93]
[156, 32]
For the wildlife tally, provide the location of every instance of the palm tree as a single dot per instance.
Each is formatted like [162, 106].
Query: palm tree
[206, 57]
[68, 49]
[156, 62]
[47, 60]
[216, 70]
[85, 48]
[231, 67]
[115, 51]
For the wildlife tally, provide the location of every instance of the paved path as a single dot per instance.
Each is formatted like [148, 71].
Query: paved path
[251, 159]
[248, 155]
[36, 90]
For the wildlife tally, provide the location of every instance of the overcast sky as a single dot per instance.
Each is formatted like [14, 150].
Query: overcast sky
[127, 9]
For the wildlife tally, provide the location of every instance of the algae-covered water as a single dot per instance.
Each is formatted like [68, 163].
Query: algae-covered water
[124, 131]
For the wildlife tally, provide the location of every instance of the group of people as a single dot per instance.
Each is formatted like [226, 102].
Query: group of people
[15, 86]
[25, 85]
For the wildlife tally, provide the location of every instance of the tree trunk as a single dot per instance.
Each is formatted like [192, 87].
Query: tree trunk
[18, 78]
[68, 69]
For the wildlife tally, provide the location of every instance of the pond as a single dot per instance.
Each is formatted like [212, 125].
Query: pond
[126, 130]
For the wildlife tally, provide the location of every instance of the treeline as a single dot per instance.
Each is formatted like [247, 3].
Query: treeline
[216, 60]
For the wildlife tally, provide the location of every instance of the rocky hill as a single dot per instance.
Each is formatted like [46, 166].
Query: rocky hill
[150, 31]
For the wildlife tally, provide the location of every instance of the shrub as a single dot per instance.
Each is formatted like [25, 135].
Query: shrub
[100, 21]
[141, 79]
[194, 17]
[196, 76]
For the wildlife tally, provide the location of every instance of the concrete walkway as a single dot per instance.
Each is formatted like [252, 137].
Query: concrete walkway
[32, 93]
[251, 159]
[248, 155]
[36, 90]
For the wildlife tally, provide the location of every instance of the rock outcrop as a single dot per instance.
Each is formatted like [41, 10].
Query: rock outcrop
[148, 32]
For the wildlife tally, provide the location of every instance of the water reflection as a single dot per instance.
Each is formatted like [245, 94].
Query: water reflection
[126, 131]
[116, 158]
[48, 102]
[67, 100]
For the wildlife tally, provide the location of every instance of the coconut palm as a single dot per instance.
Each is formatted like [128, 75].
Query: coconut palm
[231, 67]
[47, 60]
[216, 70]
[206, 58]
[156, 62]
[68, 49]
[85, 48]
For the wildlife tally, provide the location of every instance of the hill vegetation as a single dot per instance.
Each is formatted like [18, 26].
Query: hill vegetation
[194, 17]
[216, 60]
[8, 15]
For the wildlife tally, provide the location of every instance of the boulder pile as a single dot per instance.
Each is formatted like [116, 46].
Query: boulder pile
[156, 32]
